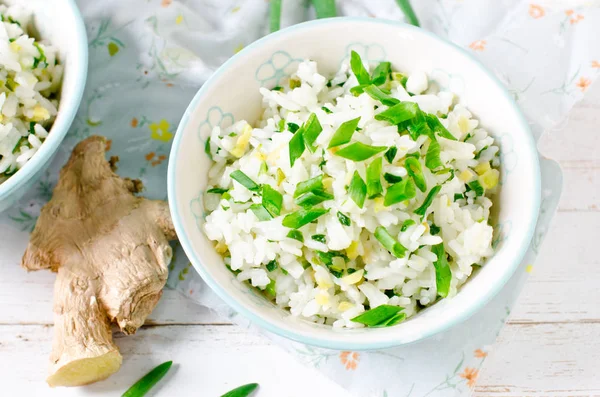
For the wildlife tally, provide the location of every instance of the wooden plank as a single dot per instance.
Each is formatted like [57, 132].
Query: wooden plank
[209, 360]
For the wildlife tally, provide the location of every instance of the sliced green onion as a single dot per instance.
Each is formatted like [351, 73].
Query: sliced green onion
[271, 266]
[295, 83]
[358, 151]
[408, 11]
[244, 180]
[476, 187]
[406, 224]
[302, 217]
[344, 220]
[357, 90]
[277, 88]
[274, 15]
[376, 93]
[312, 128]
[344, 133]
[272, 200]
[270, 289]
[419, 128]
[296, 148]
[432, 158]
[319, 237]
[357, 190]
[281, 125]
[436, 125]
[242, 391]
[216, 190]
[428, 200]
[391, 178]
[478, 154]
[142, 386]
[378, 317]
[374, 187]
[398, 113]
[293, 127]
[401, 191]
[390, 155]
[413, 167]
[359, 69]
[459, 196]
[389, 242]
[313, 198]
[326, 110]
[296, 235]
[381, 73]
[261, 212]
[443, 274]
[309, 185]
[434, 229]
[398, 318]
[325, 8]
[207, 148]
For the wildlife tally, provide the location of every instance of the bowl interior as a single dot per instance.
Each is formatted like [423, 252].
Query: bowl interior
[232, 94]
[58, 23]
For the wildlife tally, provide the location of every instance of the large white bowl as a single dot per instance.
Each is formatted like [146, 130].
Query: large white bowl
[58, 22]
[232, 94]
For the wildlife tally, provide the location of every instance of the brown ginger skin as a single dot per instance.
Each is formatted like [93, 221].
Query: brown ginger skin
[111, 251]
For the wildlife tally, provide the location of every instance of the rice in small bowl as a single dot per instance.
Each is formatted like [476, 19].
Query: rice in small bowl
[341, 191]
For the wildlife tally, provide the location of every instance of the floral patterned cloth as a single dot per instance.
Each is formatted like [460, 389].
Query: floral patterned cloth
[149, 57]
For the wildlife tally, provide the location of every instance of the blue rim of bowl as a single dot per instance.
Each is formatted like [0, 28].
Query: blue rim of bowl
[465, 313]
[60, 128]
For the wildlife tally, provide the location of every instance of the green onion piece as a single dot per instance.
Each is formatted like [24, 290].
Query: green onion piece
[296, 148]
[389, 243]
[270, 289]
[357, 190]
[391, 178]
[359, 69]
[390, 155]
[358, 151]
[398, 318]
[398, 113]
[319, 237]
[216, 190]
[344, 220]
[478, 154]
[374, 187]
[434, 229]
[309, 185]
[443, 274]
[326, 110]
[357, 90]
[376, 93]
[263, 168]
[313, 198]
[378, 316]
[432, 158]
[296, 235]
[408, 11]
[281, 125]
[401, 191]
[406, 224]
[142, 386]
[327, 259]
[32, 127]
[459, 196]
[302, 217]
[381, 73]
[293, 127]
[420, 128]
[207, 148]
[261, 212]
[325, 8]
[242, 391]
[295, 83]
[277, 88]
[413, 167]
[428, 200]
[274, 15]
[312, 128]
[272, 200]
[271, 266]
[344, 133]
[244, 180]
[476, 187]
[436, 125]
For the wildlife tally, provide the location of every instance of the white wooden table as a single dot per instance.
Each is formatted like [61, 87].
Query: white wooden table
[549, 347]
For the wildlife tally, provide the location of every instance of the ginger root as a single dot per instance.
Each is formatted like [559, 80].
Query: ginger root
[111, 251]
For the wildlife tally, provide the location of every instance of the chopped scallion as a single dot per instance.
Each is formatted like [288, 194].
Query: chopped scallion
[344, 133]
[428, 200]
[358, 151]
[244, 180]
[313, 198]
[432, 158]
[344, 220]
[359, 69]
[398, 113]
[272, 200]
[436, 125]
[296, 235]
[406, 224]
[389, 242]
[476, 187]
[261, 212]
[319, 237]
[309, 185]
[311, 130]
[374, 187]
[296, 148]
[401, 191]
[357, 190]
[271, 266]
[302, 217]
[390, 155]
[381, 316]
[380, 73]
[413, 167]
[216, 190]
[293, 127]
[391, 178]
[443, 274]
[478, 154]
[376, 93]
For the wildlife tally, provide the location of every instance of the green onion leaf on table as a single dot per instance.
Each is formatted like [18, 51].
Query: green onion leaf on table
[401, 191]
[244, 180]
[358, 151]
[408, 11]
[296, 220]
[357, 190]
[389, 242]
[344, 133]
[242, 391]
[381, 316]
[142, 386]
[325, 8]
[443, 274]
[274, 15]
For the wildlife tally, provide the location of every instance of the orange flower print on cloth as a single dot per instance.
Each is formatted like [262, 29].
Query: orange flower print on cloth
[350, 360]
[478, 45]
[480, 353]
[134, 122]
[583, 83]
[160, 131]
[154, 159]
[470, 374]
[536, 11]
[596, 64]
[576, 19]
[166, 3]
